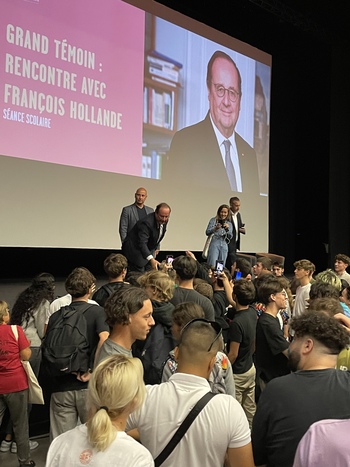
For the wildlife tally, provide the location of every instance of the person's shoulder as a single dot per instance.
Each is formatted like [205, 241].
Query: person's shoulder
[190, 131]
[244, 146]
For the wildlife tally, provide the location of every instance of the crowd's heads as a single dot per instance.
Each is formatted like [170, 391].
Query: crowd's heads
[116, 387]
[158, 285]
[329, 305]
[200, 341]
[182, 314]
[267, 287]
[80, 282]
[123, 303]
[263, 265]
[277, 269]
[320, 289]
[204, 288]
[244, 292]
[329, 277]
[244, 266]
[306, 265]
[115, 265]
[185, 267]
[321, 327]
[345, 296]
[343, 259]
[4, 312]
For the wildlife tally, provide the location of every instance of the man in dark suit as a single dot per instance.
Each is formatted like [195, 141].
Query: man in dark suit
[141, 243]
[133, 213]
[211, 151]
[237, 229]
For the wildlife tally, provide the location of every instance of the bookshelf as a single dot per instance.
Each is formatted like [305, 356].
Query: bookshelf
[161, 93]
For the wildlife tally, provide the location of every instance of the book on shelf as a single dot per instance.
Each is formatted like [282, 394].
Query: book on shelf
[165, 73]
[159, 107]
[156, 57]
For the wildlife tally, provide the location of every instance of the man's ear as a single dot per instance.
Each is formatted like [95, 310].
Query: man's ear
[211, 364]
[307, 346]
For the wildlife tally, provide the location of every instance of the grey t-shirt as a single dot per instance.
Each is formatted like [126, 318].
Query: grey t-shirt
[182, 295]
[110, 348]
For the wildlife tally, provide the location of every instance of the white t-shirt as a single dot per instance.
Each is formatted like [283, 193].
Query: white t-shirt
[220, 425]
[72, 449]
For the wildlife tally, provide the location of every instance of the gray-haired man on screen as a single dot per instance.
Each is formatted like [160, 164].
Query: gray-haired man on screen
[212, 147]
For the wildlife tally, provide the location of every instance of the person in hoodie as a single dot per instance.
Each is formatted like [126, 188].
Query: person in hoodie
[155, 349]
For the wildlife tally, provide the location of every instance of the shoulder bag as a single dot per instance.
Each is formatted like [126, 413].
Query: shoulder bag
[35, 393]
[180, 432]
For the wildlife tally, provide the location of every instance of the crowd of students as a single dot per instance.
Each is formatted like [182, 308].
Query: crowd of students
[184, 330]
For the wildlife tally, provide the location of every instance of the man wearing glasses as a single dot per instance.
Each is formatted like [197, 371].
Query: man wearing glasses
[213, 145]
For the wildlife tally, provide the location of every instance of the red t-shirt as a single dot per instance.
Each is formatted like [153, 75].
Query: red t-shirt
[13, 378]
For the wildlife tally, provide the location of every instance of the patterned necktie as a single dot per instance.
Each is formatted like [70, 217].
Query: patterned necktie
[229, 166]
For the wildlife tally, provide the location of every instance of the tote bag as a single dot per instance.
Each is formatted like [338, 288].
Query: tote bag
[35, 393]
[206, 246]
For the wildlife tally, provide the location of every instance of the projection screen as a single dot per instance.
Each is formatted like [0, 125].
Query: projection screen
[92, 96]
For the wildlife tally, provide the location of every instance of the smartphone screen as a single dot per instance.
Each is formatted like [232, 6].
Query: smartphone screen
[219, 267]
[169, 259]
[238, 275]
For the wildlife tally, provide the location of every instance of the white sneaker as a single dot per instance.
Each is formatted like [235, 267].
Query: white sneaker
[5, 445]
[32, 445]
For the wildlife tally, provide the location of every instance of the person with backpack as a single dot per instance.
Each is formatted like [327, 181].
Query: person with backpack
[115, 266]
[74, 334]
[129, 315]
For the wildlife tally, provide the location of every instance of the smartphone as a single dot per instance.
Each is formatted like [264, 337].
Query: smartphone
[285, 315]
[169, 259]
[219, 266]
[238, 275]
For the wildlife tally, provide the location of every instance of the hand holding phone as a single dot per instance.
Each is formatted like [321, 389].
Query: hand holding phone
[219, 267]
[169, 259]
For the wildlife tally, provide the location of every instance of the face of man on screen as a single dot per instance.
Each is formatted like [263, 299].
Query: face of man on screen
[224, 96]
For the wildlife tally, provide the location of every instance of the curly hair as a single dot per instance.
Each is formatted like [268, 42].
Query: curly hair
[160, 281]
[123, 302]
[42, 288]
[322, 327]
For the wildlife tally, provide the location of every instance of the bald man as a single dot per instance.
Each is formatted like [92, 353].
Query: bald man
[133, 213]
[220, 429]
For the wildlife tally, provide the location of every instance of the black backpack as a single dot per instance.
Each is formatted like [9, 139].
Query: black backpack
[65, 347]
[154, 352]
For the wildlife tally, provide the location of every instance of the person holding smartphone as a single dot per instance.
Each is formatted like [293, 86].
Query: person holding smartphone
[220, 228]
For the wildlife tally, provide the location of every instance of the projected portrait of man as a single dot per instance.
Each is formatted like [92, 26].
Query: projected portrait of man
[211, 149]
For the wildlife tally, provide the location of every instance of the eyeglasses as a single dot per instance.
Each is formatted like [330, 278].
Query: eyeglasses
[216, 326]
[232, 93]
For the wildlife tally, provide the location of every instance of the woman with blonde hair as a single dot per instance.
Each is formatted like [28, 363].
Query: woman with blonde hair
[116, 389]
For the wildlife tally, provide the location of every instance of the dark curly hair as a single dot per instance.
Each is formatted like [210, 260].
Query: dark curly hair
[42, 288]
[123, 302]
[322, 327]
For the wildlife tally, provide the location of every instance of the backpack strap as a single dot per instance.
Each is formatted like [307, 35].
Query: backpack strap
[180, 432]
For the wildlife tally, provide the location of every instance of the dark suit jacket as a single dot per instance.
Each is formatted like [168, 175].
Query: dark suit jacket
[142, 240]
[194, 150]
[234, 245]
[128, 219]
